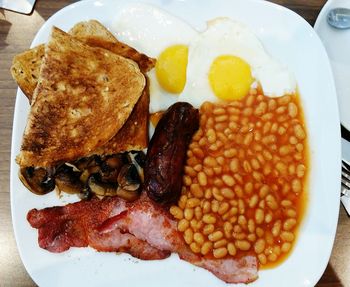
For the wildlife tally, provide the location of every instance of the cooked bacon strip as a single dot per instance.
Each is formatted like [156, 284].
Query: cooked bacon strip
[147, 222]
[125, 242]
[151, 223]
[230, 270]
[141, 228]
[74, 225]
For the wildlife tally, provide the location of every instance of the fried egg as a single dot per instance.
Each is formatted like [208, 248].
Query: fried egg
[221, 63]
[163, 36]
[226, 60]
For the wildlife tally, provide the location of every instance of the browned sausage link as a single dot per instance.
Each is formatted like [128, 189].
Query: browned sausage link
[166, 153]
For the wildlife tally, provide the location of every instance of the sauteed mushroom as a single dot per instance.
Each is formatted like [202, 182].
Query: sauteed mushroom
[111, 166]
[115, 161]
[68, 179]
[128, 178]
[87, 162]
[111, 189]
[101, 188]
[37, 180]
[119, 174]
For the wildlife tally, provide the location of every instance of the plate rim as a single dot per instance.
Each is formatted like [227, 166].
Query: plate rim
[19, 94]
[317, 26]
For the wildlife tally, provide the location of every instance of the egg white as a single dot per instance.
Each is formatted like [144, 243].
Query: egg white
[151, 30]
[226, 37]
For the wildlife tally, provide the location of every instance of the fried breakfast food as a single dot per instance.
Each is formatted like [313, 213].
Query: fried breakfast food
[76, 225]
[117, 174]
[141, 228]
[166, 154]
[99, 84]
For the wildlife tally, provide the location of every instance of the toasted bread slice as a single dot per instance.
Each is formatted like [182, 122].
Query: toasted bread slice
[134, 134]
[83, 97]
[95, 34]
[91, 28]
[145, 63]
[26, 66]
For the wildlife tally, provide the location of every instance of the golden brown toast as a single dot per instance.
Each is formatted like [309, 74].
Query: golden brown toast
[26, 66]
[83, 98]
[134, 134]
[95, 34]
[91, 28]
[145, 63]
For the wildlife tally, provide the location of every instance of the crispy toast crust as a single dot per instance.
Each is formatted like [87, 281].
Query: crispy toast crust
[83, 97]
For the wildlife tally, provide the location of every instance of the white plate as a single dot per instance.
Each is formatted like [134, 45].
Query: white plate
[289, 39]
[337, 44]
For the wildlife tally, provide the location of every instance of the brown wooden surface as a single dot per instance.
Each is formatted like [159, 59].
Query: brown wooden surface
[16, 33]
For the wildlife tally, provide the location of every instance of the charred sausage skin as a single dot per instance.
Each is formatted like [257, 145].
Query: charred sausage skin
[166, 155]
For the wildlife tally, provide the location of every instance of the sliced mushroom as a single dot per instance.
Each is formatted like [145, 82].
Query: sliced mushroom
[115, 161]
[84, 176]
[37, 180]
[110, 176]
[118, 174]
[128, 178]
[101, 188]
[64, 184]
[111, 166]
[110, 189]
[68, 179]
[87, 162]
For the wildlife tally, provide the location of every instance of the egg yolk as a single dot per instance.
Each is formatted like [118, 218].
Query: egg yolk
[230, 77]
[171, 68]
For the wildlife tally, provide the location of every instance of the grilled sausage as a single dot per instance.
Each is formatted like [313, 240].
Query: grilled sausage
[166, 155]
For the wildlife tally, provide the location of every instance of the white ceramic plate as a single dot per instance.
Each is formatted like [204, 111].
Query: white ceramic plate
[337, 44]
[288, 38]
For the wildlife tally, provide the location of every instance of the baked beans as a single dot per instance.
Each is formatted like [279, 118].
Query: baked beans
[244, 179]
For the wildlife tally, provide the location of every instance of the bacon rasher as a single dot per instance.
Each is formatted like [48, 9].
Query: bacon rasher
[141, 228]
